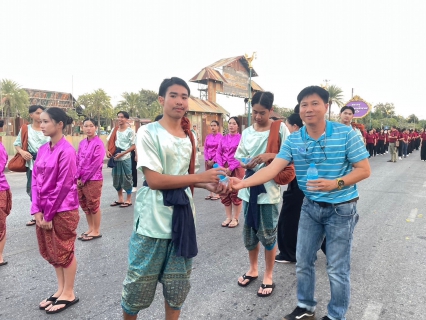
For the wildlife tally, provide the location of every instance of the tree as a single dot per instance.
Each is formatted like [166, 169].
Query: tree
[97, 104]
[130, 103]
[14, 100]
[412, 119]
[285, 112]
[150, 107]
[335, 96]
[384, 110]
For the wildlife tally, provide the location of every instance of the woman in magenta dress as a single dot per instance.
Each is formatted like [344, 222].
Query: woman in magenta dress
[225, 158]
[90, 159]
[5, 202]
[210, 148]
[55, 207]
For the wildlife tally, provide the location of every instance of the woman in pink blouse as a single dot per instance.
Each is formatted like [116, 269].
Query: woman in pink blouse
[90, 159]
[210, 147]
[5, 202]
[225, 158]
[55, 207]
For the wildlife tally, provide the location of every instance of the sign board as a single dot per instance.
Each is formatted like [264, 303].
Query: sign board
[361, 107]
[237, 82]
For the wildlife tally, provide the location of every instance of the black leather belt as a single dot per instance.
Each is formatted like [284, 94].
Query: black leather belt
[327, 204]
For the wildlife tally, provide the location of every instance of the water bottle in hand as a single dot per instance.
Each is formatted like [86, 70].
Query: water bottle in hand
[312, 173]
[245, 160]
[223, 179]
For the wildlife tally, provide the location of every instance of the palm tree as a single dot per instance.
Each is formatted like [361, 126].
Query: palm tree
[336, 96]
[14, 101]
[97, 103]
[13, 98]
[130, 103]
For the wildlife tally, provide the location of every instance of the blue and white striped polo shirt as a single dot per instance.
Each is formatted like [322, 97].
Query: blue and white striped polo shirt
[333, 153]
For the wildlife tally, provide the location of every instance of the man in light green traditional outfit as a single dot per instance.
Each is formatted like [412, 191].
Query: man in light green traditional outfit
[36, 139]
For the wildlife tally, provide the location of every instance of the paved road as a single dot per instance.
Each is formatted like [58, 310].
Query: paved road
[388, 266]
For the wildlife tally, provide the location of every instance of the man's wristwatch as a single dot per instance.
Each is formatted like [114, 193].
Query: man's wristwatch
[340, 183]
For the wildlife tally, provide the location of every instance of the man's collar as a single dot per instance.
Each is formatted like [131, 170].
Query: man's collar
[328, 131]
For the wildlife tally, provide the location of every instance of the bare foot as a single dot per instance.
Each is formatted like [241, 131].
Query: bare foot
[60, 306]
[46, 304]
[266, 290]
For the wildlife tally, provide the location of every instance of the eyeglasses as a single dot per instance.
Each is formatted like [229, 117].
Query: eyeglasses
[308, 156]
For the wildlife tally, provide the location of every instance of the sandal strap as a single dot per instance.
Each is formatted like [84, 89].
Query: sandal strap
[246, 277]
[267, 286]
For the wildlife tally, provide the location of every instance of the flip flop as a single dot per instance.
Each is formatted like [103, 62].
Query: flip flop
[208, 198]
[31, 223]
[65, 302]
[115, 203]
[51, 299]
[3, 263]
[266, 286]
[90, 238]
[214, 198]
[246, 277]
[125, 205]
[226, 224]
[233, 226]
[82, 236]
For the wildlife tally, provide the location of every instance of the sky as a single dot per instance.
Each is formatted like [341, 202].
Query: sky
[376, 48]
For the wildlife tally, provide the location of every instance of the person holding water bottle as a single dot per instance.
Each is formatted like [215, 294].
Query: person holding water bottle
[260, 203]
[329, 207]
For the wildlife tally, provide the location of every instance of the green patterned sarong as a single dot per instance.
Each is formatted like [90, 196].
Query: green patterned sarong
[154, 260]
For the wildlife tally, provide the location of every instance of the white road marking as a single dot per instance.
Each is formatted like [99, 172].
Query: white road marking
[424, 185]
[372, 312]
[412, 215]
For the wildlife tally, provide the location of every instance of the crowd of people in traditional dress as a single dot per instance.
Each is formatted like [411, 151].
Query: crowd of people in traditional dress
[266, 155]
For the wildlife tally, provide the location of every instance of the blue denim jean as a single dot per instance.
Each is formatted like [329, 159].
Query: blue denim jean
[337, 224]
[404, 149]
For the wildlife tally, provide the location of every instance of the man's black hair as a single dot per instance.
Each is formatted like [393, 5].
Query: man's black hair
[308, 91]
[264, 98]
[347, 108]
[35, 107]
[124, 113]
[170, 82]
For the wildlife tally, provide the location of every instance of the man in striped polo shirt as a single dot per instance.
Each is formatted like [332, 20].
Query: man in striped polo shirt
[329, 207]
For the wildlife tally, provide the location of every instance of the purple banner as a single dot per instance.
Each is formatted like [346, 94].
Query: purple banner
[360, 107]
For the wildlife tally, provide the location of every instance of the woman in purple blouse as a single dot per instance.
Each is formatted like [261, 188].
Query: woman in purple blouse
[90, 159]
[5, 202]
[210, 148]
[225, 158]
[55, 207]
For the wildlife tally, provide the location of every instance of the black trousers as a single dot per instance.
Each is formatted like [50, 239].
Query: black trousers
[423, 151]
[370, 149]
[134, 171]
[381, 147]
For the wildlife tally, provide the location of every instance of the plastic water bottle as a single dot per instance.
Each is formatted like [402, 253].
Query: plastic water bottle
[312, 173]
[223, 179]
[245, 160]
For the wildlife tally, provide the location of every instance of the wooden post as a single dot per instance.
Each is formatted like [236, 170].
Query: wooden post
[211, 91]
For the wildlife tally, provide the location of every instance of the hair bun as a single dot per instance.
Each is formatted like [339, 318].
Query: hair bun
[69, 120]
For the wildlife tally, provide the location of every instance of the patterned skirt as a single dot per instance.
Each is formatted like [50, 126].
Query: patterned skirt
[89, 196]
[57, 245]
[122, 175]
[232, 197]
[5, 207]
